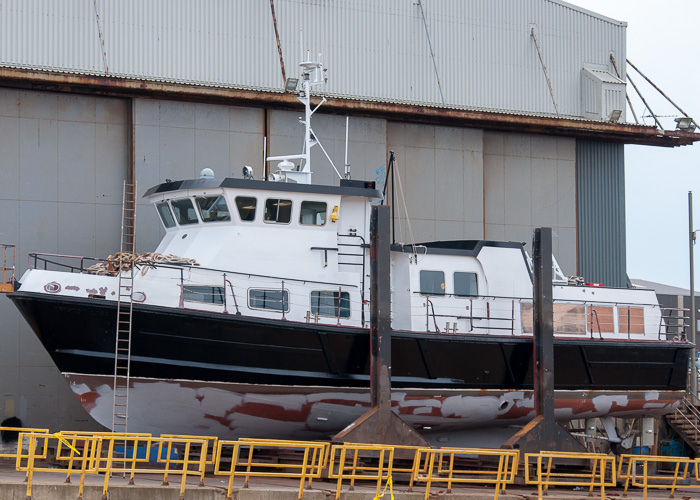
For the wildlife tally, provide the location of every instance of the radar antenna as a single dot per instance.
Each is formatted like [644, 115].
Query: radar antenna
[312, 75]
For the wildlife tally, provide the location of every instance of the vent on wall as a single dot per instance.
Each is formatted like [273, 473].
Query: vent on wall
[602, 95]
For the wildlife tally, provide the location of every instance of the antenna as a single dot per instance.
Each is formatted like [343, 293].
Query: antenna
[312, 75]
[347, 165]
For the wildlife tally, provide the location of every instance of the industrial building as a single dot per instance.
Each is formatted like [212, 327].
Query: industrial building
[505, 115]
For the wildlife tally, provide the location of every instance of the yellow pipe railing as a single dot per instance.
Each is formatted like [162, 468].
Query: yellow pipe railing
[318, 464]
[111, 459]
[28, 461]
[446, 470]
[243, 461]
[384, 455]
[21, 430]
[109, 453]
[551, 476]
[627, 470]
[74, 452]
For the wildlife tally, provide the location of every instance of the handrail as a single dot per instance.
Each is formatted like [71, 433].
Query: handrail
[592, 313]
[505, 472]
[428, 306]
[546, 477]
[106, 462]
[27, 462]
[363, 246]
[7, 285]
[233, 294]
[351, 451]
[651, 481]
[21, 431]
[694, 423]
[311, 466]
[155, 265]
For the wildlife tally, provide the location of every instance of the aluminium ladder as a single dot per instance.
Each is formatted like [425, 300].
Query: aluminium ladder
[122, 349]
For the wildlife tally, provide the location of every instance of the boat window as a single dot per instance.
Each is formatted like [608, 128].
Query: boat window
[631, 319]
[213, 208]
[279, 211]
[432, 283]
[165, 214]
[246, 207]
[313, 213]
[271, 300]
[206, 294]
[184, 211]
[330, 303]
[466, 284]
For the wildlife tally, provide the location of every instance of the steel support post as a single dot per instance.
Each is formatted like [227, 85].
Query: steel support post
[543, 432]
[380, 425]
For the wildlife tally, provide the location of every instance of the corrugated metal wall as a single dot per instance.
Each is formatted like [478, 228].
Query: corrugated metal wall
[600, 188]
[484, 50]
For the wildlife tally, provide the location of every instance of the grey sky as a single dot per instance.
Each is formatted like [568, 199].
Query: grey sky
[662, 42]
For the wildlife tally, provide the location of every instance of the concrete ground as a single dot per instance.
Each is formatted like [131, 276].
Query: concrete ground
[52, 486]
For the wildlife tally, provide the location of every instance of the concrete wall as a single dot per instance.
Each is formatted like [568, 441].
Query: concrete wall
[487, 185]
[62, 162]
[530, 181]
[64, 157]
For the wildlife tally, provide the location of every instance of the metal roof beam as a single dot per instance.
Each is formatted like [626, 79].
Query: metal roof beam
[488, 120]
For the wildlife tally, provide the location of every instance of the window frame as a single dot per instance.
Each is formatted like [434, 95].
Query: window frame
[189, 223]
[454, 284]
[277, 221]
[420, 283]
[220, 293]
[285, 299]
[216, 198]
[325, 213]
[167, 206]
[343, 296]
[238, 207]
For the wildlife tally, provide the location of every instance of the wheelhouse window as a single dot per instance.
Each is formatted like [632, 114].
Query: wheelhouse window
[184, 212]
[213, 208]
[313, 213]
[466, 284]
[270, 300]
[432, 283]
[279, 211]
[204, 294]
[330, 303]
[166, 216]
[246, 208]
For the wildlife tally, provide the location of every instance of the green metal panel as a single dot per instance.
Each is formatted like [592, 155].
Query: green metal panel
[600, 189]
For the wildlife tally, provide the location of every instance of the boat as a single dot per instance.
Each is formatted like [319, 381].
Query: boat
[251, 318]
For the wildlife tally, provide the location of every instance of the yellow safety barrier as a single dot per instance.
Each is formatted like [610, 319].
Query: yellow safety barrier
[314, 463]
[24, 430]
[363, 471]
[551, 476]
[70, 458]
[244, 463]
[450, 472]
[208, 450]
[28, 461]
[114, 449]
[646, 481]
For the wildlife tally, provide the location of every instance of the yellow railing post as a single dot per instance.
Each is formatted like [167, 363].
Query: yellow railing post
[30, 465]
[185, 464]
[303, 473]
[430, 475]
